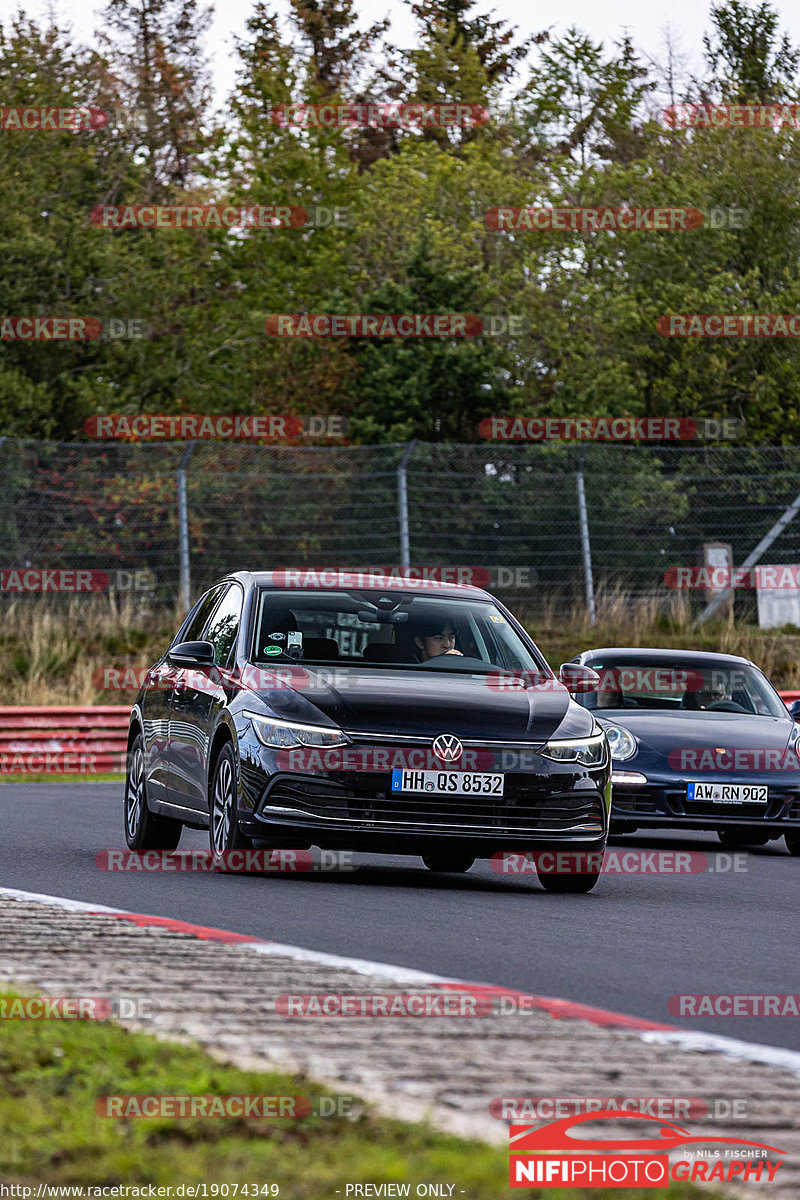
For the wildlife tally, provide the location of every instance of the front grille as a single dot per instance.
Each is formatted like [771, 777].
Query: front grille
[794, 811]
[521, 810]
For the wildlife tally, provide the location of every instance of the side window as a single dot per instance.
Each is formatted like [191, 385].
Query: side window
[192, 632]
[224, 624]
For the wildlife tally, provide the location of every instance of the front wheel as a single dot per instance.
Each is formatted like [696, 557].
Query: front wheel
[739, 839]
[223, 827]
[793, 842]
[145, 830]
[454, 863]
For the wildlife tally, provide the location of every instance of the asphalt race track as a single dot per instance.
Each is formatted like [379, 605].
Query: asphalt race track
[628, 946]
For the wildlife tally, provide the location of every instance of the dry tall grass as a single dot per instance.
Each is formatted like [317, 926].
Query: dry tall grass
[49, 651]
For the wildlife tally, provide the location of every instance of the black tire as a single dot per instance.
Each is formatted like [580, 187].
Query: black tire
[740, 839]
[144, 830]
[793, 842]
[568, 883]
[454, 863]
[224, 833]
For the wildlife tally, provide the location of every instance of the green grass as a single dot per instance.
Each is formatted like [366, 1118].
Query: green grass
[51, 1072]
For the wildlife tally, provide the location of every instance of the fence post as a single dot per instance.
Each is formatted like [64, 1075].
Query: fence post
[183, 530]
[402, 507]
[788, 515]
[585, 543]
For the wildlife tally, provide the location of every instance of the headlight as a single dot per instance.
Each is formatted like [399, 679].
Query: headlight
[591, 751]
[621, 742]
[283, 735]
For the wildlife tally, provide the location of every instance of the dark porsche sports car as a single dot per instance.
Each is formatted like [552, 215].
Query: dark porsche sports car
[304, 708]
[698, 741]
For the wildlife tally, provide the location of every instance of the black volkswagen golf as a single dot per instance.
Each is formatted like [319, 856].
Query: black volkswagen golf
[374, 713]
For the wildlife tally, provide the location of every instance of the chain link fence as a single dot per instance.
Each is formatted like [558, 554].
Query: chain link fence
[511, 509]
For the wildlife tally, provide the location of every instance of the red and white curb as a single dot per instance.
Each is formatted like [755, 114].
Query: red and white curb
[652, 1032]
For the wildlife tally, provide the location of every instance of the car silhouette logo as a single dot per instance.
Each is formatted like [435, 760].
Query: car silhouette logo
[559, 1136]
[447, 747]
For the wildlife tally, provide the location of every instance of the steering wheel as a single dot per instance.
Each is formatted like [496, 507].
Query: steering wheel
[726, 706]
[443, 661]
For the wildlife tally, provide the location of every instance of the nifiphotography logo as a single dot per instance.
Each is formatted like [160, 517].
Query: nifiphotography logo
[555, 1155]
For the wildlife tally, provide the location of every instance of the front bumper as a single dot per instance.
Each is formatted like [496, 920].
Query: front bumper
[551, 804]
[663, 804]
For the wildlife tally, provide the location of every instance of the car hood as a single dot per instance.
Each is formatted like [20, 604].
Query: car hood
[664, 732]
[425, 703]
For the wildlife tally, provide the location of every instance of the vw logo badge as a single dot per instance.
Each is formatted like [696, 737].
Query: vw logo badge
[447, 747]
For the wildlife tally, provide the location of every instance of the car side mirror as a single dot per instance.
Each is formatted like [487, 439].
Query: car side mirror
[577, 678]
[192, 654]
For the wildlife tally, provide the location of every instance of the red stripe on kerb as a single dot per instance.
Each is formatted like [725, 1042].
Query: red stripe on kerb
[560, 1009]
[569, 1009]
[205, 932]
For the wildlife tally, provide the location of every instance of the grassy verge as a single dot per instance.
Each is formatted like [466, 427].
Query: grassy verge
[51, 1073]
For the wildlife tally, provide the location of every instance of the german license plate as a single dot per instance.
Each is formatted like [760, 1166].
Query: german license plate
[451, 783]
[728, 793]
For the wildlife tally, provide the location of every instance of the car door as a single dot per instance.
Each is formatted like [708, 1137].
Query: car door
[197, 698]
[157, 700]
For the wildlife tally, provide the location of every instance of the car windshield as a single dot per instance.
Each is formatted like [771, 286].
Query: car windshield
[658, 684]
[387, 629]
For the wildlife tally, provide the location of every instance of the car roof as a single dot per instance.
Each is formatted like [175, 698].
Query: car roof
[659, 654]
[331, 579]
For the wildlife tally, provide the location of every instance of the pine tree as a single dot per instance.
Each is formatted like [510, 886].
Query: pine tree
[155, 48]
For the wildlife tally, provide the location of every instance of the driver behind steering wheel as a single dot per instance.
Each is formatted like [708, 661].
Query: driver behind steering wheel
[713, 692]
[434, 638]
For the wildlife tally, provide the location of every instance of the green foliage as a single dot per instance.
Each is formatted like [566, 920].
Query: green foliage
[405, 225]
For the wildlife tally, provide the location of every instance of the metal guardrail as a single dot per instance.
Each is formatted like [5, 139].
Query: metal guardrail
[63, 740]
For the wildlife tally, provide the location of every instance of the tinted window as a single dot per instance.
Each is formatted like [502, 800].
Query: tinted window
[193, 630]
[393, 629]
[224, 625]
[639, 682]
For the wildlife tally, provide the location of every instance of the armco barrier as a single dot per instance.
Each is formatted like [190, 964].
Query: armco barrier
[56, 740]
[63, 740]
